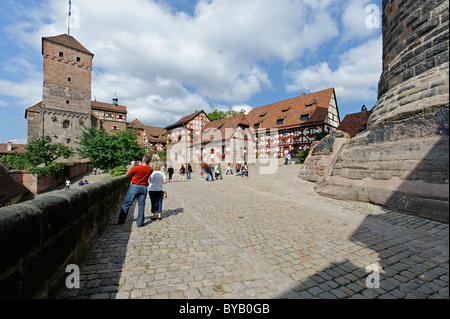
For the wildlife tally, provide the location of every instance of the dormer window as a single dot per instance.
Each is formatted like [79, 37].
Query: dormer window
[262, 115]
[257, 126]
[280, 122]
[305, 117]
[286, 109]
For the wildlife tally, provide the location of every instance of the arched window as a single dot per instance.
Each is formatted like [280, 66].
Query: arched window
[66, 124]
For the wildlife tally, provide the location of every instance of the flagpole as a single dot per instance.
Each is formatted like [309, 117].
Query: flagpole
[68, 19]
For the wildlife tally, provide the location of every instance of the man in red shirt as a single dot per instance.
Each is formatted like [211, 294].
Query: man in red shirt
[137, 190]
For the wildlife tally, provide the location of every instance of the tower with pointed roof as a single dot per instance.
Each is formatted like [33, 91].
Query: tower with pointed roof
[66, 98]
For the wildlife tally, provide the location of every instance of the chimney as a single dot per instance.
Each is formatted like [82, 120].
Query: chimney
[302, 94]
[364, 109]
[9, 147]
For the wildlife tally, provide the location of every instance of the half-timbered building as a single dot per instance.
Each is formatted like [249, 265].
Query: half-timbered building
[293, 124]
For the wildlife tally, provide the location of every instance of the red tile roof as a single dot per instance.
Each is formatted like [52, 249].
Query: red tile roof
[135, 124]
[15, 148]
[226, 127]
[315, 105]
[155, 134]
[108, 107]
[184, 120]
[355, 123]
[68, 41]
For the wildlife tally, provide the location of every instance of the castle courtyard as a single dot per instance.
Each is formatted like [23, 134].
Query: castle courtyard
[269, 237]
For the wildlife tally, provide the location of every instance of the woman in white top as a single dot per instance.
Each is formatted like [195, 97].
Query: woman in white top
[156, 190]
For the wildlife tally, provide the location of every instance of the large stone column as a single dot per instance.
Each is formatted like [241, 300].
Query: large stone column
[402, 159]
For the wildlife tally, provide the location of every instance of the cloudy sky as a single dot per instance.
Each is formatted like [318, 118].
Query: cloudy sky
[167, 58]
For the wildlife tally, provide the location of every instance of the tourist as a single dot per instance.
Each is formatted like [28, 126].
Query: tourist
[86, 182]
[137, 190]
[238, 168]
[156, 191]
[286, 159]
[80, 183]
[67, 184]
[244, 170]
[218, 171]
[182, 173]
[189, 171]
[170, 171]
[209, 173]
[229, 169]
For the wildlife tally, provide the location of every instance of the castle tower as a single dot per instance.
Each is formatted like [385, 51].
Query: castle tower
[66, 99]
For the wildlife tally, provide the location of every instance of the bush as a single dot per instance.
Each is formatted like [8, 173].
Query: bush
[56, 169]
[118, 171]
[302, 155]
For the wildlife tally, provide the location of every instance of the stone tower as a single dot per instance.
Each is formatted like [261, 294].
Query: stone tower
[66, 99]
[402, 159]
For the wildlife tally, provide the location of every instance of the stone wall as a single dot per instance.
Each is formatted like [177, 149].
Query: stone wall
[402, 160]
[39, 184]
[39, 238]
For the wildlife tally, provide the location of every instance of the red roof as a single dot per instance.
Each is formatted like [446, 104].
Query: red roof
[68, 41]
[155, 134]
[15, 148]
[222, 125]
[315, 105]
[108, 107]
[184, 120]
[355, 123]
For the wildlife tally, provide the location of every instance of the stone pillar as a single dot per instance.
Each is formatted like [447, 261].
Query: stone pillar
[402, 159]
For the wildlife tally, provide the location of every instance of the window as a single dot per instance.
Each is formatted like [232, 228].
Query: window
[69, 79]
[61, 54]
[66, 124]
[115, 128]
[109, 115]
[67, 101]
[286, 109]
[78, 59]
[305, 117]
[121, 117]
[312, 131]
[257, 126]
[280, 122]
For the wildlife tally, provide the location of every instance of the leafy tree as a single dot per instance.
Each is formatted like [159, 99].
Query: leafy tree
[42, 151]
[302, 155]
[218, 115]
[110, 150]
[15, 160]
[321, 135]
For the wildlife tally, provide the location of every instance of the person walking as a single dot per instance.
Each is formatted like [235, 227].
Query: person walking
[170, 171]
[218, 171]
[67, 184]
[156, 191]
[182, 173]
[137, 189]
[189, 171]
[229, 169]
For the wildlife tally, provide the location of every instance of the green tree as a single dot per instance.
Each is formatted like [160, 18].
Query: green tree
[218, 115]
[41, 151]
[16, 161]
[109, 150]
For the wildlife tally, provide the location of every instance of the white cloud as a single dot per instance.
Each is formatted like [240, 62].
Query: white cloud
[355, 79]
[354, 20]
[164, 63]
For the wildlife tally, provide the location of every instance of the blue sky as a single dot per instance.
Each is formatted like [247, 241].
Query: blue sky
[166, 59]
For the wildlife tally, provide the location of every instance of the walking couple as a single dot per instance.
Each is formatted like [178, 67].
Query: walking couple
[143, 175]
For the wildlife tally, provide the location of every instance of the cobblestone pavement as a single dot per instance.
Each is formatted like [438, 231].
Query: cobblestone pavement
[266, 236]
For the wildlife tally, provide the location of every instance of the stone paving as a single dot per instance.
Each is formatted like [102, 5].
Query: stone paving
[266, 236]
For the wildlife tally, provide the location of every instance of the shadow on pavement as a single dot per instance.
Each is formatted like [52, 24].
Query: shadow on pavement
[406, 259]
